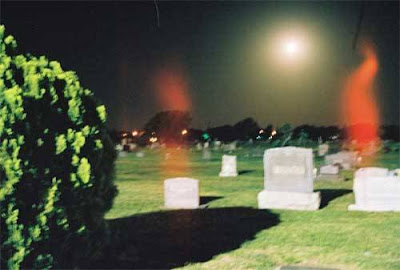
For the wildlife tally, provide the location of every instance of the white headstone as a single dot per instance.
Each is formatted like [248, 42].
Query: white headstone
[181, 193]
[122, 154]
[206, 145]
[329, 173]
[199, 146]
[230, 146]
[206, 153]
[323, 149]
[139, 154]
[288, 169]
[329, 169]
[376, 193]
[132, 146]
[119, 147]
[288, 179]
[217, 145]
[228, 166]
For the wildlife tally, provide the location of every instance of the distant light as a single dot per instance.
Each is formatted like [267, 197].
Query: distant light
[184, 132]
[153, 139]
[273, 133]
[261, 131]
[134, 133]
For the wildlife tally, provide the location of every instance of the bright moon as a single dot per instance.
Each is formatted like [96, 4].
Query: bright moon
[291, 47]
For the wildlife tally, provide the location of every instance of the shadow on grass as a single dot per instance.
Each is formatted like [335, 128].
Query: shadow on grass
[328, 195]
[168, 239]
[245, 172]
[207, 199]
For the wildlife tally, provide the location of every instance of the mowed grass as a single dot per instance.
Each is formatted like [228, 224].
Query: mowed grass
[229, 232]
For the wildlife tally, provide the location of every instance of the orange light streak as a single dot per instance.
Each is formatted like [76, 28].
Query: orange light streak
[360, 110]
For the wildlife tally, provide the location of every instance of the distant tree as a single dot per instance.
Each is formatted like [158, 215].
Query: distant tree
[168, 125]
[316, 132]
[284, 134]
[224, 133]
[195, 135]
[246, 129]
[390, 132]
[268, 130]
[114, 136]
[306, 130]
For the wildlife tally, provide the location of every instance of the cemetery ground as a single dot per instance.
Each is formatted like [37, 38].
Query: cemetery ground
[229, 231]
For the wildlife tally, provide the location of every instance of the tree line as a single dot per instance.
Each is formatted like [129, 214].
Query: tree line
[167, 127]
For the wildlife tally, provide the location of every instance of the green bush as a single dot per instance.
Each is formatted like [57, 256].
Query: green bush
[56, 164]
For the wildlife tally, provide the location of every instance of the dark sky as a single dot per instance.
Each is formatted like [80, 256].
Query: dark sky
[221, 60]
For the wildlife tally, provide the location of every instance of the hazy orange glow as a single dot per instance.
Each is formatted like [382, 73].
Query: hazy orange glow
[171, 89]
[360, 110]
[171, 86]
[174, 162]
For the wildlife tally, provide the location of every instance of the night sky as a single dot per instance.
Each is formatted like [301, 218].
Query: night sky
[222, 61]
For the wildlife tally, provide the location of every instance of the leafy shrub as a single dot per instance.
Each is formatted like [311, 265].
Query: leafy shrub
[56, 164]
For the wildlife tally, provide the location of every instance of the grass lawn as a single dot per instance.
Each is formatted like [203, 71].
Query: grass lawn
[230, 232]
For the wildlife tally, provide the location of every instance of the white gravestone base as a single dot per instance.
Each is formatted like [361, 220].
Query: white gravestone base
[376, 193]
[181, 193]
[289, 200]
[371, 171]
[288, 180]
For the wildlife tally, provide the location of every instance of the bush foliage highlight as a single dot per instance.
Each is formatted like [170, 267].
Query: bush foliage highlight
[56, 164]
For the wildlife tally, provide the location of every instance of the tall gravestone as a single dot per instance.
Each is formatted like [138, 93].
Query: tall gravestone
[375, 190]
[181, 193]
[323, 149]
[199, 146]
[288, 180]
[228, 168]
